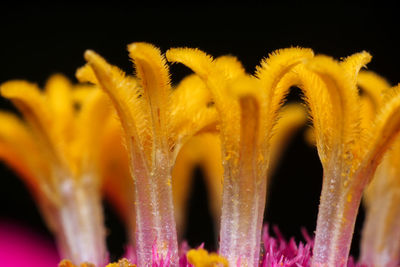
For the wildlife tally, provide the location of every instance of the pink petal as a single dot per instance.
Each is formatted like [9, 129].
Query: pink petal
[21, 247]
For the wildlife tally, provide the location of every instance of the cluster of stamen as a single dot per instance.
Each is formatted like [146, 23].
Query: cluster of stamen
[137, 137]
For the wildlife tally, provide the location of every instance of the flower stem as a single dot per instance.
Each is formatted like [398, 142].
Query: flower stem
[241, 222]
[380, 244]
[244, 194]
[336, 219]
[79, 222]
[155, 222]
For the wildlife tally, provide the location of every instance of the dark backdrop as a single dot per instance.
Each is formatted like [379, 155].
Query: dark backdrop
[39, 40]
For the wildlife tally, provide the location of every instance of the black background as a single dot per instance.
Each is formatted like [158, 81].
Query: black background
[39, 40]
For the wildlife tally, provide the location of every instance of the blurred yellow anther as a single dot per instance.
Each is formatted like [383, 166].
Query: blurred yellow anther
[201, 258]
[291, 118]
[380, 242]
[203, 151]
[56, 151]
[67, 263]
[121, 263]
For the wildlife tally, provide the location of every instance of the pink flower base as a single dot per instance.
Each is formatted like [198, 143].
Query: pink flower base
[21, 247]
[280, 253]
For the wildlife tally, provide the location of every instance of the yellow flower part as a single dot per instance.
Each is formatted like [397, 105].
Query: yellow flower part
[331, 95]
[118, 184]
[156, 122]
[380, 242]
[121, 263]
[202, 151]
[55, 150]
[190, 96]
[373, 87]
[201, 258]
[67, 263]
[248, 112]
[18, 149]
[291, 118]
[349, 152]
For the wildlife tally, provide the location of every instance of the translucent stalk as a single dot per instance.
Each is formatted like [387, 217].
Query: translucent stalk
[79, 223]
[244, 193]
[144, 112]
[380, 243]
[242, 217]
[337, 214]
[155, 222]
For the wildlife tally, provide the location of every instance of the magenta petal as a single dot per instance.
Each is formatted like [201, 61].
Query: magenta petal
[19, 246]
[278, 252]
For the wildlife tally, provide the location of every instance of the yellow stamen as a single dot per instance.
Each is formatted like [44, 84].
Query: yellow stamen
[121, 263]
[380, 240]
[57, 147]
[348, 152]
[291, 118]
[154, 132]
[183, 102]
[373, 86]
[248, 111]
[201, 258]
[18, 149]
[202, 151]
